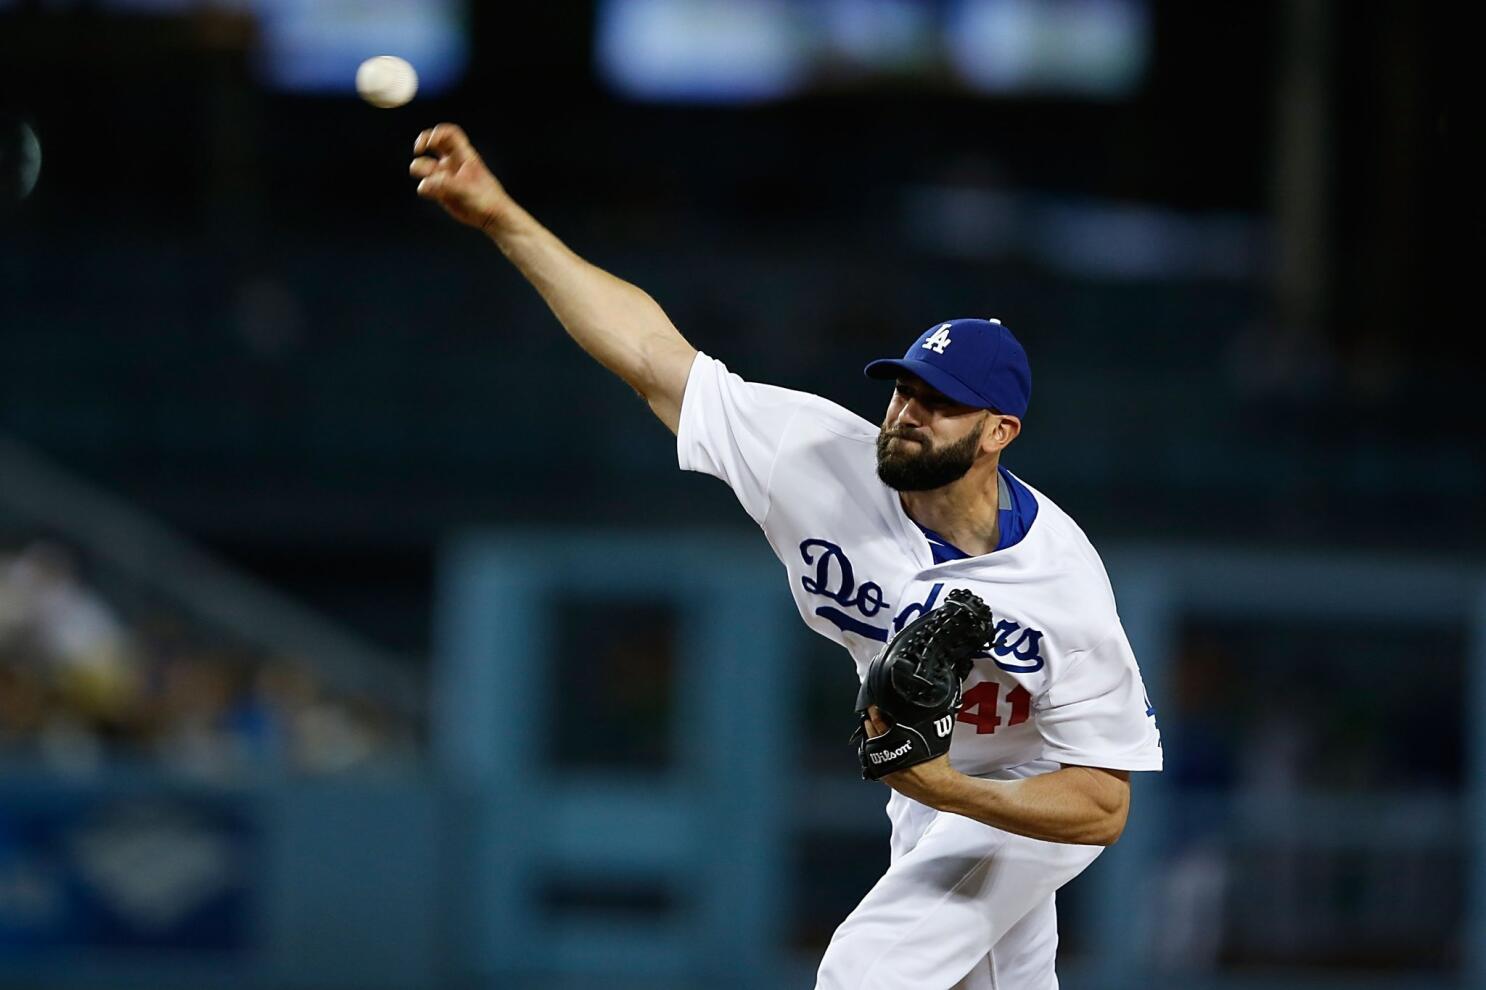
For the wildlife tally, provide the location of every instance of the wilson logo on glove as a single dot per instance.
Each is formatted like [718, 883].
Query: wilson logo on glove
[885, 757]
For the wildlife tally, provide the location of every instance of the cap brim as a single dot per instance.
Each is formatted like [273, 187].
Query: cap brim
[937, 378]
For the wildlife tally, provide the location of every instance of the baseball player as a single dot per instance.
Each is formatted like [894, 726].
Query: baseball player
[878, 526]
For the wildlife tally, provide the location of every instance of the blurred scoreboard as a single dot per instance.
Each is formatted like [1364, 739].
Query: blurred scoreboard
[741, 51]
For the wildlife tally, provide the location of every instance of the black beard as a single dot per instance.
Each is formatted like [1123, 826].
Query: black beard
[928, 469]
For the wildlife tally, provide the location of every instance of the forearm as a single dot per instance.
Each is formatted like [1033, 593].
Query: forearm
[1075, 804]
[617, 323]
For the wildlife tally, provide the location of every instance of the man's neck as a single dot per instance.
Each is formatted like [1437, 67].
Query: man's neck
[965, 512]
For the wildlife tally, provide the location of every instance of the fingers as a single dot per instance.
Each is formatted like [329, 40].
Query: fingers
[875, 721]
[431, 186]
[442, 150]
[444, 141]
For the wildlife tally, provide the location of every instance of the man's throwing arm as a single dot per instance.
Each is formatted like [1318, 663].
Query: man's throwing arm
[617, 323]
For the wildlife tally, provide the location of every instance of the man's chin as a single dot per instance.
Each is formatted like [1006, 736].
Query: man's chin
[907, 474]
[899, 476]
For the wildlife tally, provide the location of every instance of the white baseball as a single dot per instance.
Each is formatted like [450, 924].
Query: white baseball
[386, 81]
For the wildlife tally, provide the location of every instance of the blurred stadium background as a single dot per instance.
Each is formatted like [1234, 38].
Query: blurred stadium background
[295, 475]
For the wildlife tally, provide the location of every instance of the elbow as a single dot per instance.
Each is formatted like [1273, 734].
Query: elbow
[661, 368]
[1110, 804]
[1111, 826]
[1104, 832]
[1110, 833]
[1106, 821]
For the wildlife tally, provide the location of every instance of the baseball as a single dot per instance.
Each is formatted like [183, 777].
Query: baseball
[386, 81]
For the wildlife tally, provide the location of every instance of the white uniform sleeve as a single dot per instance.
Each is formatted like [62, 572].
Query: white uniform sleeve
[1096, 713]
[733, 429]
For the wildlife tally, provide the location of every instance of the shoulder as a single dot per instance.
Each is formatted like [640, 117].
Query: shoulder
[1069, 547]
[710, 381]
[1063, 562]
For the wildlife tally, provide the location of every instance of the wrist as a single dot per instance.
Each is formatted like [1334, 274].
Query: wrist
[500, 219]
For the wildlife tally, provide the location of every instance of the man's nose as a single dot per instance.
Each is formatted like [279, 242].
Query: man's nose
[912, 414]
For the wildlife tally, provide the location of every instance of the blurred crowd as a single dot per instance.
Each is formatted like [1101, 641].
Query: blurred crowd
[88, 684]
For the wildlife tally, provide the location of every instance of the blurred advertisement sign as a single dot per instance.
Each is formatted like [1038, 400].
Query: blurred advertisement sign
[740, 51]
[101, 872]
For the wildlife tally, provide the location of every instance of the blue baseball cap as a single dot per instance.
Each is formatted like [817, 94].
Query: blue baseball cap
[975, 362]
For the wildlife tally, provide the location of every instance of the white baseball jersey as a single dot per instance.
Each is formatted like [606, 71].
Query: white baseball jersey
[1059, 683]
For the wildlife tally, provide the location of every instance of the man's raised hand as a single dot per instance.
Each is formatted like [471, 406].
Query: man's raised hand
[450, 172]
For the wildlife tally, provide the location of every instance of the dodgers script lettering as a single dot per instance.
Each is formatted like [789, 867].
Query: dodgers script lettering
[830, 575]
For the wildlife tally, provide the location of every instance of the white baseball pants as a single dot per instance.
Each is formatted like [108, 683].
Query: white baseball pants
[962, 907]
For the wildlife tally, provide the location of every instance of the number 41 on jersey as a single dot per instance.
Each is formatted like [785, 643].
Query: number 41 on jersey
[981, 706]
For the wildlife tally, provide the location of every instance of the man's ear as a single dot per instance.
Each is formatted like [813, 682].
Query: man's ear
[999, 432]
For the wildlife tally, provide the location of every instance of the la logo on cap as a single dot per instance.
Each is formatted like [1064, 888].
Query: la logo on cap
[939, 340]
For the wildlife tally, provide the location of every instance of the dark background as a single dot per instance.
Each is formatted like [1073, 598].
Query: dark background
[1247, 292]
[226, 303]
